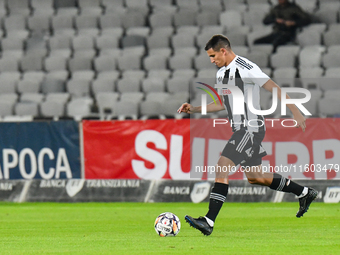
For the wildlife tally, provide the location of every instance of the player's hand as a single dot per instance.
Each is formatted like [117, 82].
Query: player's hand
[301, 121]
[280, 21]
[186, 107]
[290, 23]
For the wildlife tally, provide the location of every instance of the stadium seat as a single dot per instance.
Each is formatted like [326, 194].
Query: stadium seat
[329, 107]
[31, 62]
[80, 63]
[136, 74]
[179, 40]
[132, 97]
[184, 18]
[308, 38]
[9, 81]
[59, 42]
[83, 75]
[126, 109]
[13, 54]
[106, 102]
[258, 57]
[150, 109]
[240, 50]
[42, 7]
[82, 43]
[188, 30]
[62, 97]
[104, 63]
[254, 16]
[331, 37]
[32, 97]
[9, 64]
[312, 104]
[189, 73]
[289, 49]
[9, 43]
[331, 59]
[103, 85]
[62, 22]
[163, 52]
[52, 109]
[108, 75]
[238, 39]
[129, 62]
[178, 85]
[180, 62]
[307, 5]
[27, 108]
[128, 85]
[153, 85]
[153, 62]
[285, 76]
[327, 16]
[6, 108]
[20, 7]
[39, 23]
[214, 6]
[206, 18]
[161, 73]
[138, 31]
[28, 86]
[79, 108]
[78, 88]
[160, 19]
[310, 56]
[55, 63]
[156, 41]
[278, 60]
[86, 21]
[230, 18]
[133, 19]
[202, 61]
[310, 77]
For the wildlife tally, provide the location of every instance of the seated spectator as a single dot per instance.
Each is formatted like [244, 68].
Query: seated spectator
[286, 17]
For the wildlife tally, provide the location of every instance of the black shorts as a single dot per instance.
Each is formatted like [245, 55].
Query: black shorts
[245, 148]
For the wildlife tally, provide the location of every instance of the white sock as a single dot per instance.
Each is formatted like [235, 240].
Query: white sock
[304, 192]
[210, 222]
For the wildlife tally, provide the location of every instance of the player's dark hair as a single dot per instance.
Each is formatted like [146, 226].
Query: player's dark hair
[217, 42]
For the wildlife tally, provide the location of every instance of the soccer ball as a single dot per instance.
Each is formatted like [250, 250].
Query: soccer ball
[167, 224]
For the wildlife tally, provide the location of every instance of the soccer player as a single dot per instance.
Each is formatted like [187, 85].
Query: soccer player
[244, 146]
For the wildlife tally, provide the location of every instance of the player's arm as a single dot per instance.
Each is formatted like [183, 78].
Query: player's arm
[301, 121]
[188, 108]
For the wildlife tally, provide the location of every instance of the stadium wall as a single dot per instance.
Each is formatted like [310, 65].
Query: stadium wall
[149, 161]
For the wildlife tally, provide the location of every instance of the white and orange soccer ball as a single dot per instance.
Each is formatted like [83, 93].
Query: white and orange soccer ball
[167, 224]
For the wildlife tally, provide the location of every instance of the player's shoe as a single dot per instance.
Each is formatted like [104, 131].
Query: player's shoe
[306, 201]
[199, 223]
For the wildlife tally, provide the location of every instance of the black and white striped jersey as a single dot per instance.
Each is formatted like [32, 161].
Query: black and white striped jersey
[244, 74]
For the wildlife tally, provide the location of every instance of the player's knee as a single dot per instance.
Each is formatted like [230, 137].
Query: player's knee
[253, 180]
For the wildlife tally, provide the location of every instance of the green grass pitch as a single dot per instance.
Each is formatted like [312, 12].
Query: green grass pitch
[127, 228]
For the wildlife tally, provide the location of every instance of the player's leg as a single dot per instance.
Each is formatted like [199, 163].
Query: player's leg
[232, 154]
[277, 182]
[217, 197]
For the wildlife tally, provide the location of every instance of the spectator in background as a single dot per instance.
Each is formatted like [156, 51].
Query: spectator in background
[286, 17]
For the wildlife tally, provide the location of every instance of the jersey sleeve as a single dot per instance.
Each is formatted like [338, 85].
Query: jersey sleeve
[257, 76]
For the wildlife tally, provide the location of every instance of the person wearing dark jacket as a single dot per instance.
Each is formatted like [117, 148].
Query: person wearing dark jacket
[286, 18]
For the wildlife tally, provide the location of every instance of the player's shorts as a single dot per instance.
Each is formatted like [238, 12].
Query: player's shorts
[245, 148]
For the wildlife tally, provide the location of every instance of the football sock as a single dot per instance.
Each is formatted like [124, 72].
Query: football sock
[210, 222]
[281, 183]
[304, 192]
[217, 197]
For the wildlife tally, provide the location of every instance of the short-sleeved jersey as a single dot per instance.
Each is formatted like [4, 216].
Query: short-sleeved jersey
[244, 74]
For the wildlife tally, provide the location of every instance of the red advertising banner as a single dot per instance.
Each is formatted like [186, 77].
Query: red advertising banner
[169, 149]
